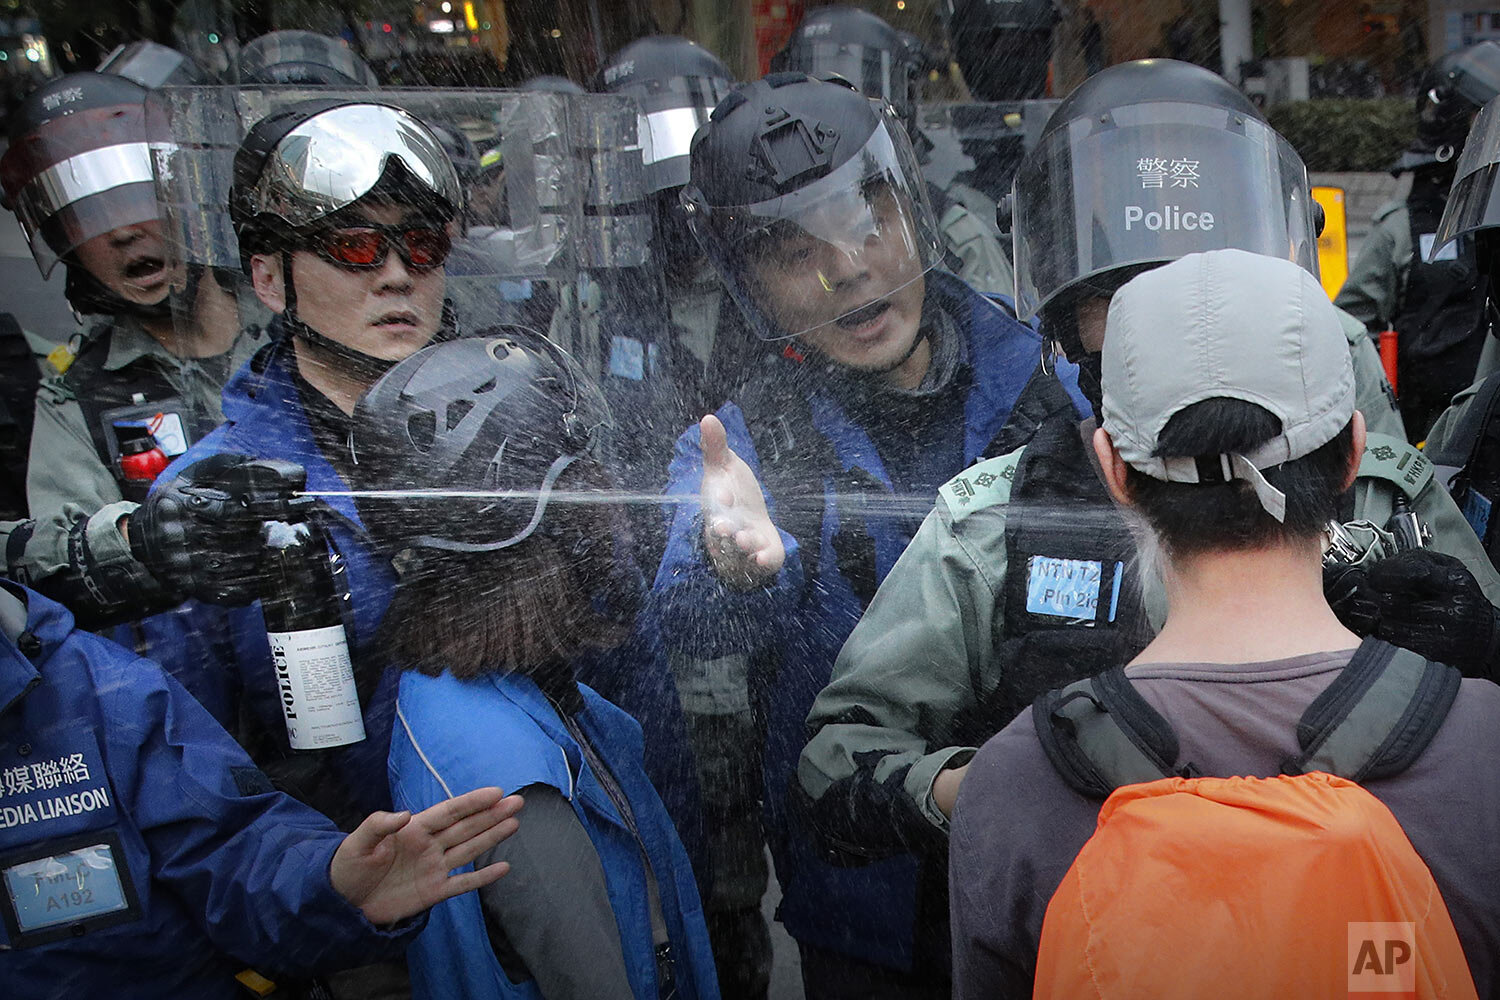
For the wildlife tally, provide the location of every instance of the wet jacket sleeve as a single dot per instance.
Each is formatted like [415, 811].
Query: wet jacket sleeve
[1369, 293]
[1372, 392]
[65, 481]
[699, 615]
[253, 861]
[553, 908]
[1390, 468]
[884, 726]
[1447, 423]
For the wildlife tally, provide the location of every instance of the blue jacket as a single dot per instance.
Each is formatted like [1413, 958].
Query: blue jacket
[802, 617]
[453, 736]
[264, 418]
[216, 871]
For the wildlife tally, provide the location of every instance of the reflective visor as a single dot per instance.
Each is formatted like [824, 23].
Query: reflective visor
[268, 56]
[337, 157]
[1473, 203]
[828, 250]
[84, 175]
[875, 72]
[1152, 183]
[1476, 73]
[669, 118]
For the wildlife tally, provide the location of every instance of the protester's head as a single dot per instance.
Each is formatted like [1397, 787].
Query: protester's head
[1144, 163]
[1229, 418]
[301, 58]
[78, 175]
[808, 200]
[522, 574]
[344, 215]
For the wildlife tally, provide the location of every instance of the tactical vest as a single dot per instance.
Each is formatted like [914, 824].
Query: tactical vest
[109, 395]
[1469, 465]
[1072, 592]
[1439, 319]
[19, 377]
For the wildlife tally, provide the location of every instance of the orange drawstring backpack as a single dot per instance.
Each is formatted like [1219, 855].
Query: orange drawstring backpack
[1297, 886]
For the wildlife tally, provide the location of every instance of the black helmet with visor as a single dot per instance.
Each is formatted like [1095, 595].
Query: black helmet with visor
[153, 65]
[79, 163]
[809, 187]
[1144, 163]
[301, 58]
[677, 83]
[858, 46]
[1451, 92]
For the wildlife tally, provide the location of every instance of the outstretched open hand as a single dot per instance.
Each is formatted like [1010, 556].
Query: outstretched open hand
[395, 865]
[738, 535]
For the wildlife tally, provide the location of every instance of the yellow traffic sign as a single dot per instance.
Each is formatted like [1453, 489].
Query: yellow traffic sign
[1333, 242]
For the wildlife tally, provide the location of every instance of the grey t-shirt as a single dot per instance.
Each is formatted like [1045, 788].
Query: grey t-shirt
[1017, 826]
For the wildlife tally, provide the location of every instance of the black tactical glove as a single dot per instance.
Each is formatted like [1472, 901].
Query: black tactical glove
[1430, 603]
[200, 533]
[1347, 588]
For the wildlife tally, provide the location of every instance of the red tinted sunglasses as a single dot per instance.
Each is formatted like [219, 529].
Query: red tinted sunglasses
[362, 248]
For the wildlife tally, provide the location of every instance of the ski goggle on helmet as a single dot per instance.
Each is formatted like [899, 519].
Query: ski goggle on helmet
[808, 200]
[300, 166]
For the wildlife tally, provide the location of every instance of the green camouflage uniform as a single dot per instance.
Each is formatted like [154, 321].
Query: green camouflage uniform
[924, 649]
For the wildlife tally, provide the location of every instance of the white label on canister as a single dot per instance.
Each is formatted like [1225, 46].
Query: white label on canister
[315, 681]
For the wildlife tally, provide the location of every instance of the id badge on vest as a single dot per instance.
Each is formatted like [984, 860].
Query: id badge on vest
[63, 869]
[1074, 591]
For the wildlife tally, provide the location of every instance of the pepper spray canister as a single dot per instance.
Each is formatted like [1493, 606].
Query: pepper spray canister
[309, 647]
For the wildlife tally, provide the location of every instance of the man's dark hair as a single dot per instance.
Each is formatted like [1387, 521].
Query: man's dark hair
[1191, 518]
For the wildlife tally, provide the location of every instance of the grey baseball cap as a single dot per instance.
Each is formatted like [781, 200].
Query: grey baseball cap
[1225, 324]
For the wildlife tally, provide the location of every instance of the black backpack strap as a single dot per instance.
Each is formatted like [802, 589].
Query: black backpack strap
[1100, 734]
[1378, 715]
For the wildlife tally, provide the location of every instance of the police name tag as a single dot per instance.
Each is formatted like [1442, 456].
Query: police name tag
[1072, 588]
[60, 889]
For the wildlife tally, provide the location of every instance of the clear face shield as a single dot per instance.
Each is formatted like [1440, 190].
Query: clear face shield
[1152, 183]
[668, 120]
[83, 176]
[1474, 200]
[551, 205]
[831, 253]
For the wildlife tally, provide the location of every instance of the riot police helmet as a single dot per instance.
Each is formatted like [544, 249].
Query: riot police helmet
[1144, 163]
[300, 166]
[1450, 94]
[807, 198]
[677, 83]
[860, 47]
[301, 58]
[502, 414]
[1002, 46]
[153, 65]
[1474, 200]
[79, 165]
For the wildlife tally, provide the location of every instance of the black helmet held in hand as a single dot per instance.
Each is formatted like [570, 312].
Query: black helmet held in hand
[502, 414]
